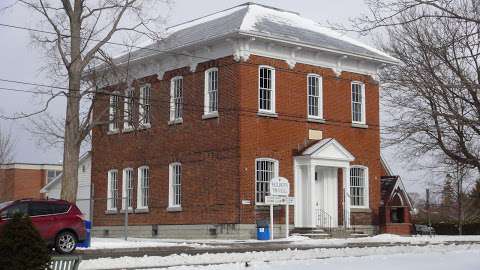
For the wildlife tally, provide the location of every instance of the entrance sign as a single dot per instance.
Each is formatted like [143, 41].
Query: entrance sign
[279, 191]
[279, 200]
[279, 186]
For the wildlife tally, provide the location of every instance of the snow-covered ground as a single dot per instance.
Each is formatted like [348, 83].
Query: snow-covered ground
[116, 243]
[459, 257]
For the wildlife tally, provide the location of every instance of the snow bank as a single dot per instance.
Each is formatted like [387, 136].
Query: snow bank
[275, 256]
[116, 243]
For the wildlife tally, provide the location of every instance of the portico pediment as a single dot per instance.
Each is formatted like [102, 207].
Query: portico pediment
[328, 148]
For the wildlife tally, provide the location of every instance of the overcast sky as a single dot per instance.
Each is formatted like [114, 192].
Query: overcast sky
[19, 60]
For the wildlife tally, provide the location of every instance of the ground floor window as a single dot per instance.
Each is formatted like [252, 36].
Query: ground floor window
[358, 186]
[127, 191]
[175, 198]
[143, 187]
[112, 190]
[265, 170]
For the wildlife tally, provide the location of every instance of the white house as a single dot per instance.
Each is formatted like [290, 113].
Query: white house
[53, 188]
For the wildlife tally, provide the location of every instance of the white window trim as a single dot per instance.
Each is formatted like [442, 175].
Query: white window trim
[124, 188]
[273, 109]
[320, 97]
[276, 174]
[140, 186]
[174, 119]
[171, 198]
[141, 110]
[109, 190]
[366, 189]
[113, 125]
[363, 120]
[127, 123]
[206, 99]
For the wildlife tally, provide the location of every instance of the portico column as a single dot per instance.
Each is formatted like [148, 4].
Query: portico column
[311, 175]
[346, 201]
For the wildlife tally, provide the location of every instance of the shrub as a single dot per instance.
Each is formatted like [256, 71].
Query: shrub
[21, 246]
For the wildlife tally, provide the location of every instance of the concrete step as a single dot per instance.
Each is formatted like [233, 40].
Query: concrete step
[314, 235]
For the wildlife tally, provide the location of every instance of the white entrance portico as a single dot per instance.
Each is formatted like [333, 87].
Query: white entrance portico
[316, 185]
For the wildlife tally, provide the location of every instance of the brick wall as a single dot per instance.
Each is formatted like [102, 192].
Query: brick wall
[218, 155]
[208, 150]
[21, 183]
[281, 137]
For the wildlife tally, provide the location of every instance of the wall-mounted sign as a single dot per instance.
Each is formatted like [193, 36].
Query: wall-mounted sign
[245, 202]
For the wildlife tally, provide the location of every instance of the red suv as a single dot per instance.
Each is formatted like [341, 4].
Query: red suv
[59, 222]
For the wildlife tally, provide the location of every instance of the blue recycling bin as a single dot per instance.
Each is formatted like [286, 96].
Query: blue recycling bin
[87, 242]
[263, 233]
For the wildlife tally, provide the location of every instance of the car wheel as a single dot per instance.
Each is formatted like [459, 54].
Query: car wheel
[65, 242]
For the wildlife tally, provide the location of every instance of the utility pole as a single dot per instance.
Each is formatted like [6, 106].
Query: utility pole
[427, 202]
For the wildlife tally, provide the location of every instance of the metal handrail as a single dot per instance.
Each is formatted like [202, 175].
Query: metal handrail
[324, 220]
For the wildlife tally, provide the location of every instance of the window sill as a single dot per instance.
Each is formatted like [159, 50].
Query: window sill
[360, 210]
[141, 210]
[127, 129]
[174, 209]
[175, 121]
[316, 120]
[210, 115]
[267, 114]
[359, 125]
[130, 211]
[111, 132]
[144, 126]
[111, 212]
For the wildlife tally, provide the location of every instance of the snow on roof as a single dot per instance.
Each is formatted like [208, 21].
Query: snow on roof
[264, 21]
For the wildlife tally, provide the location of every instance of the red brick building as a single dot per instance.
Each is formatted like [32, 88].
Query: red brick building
[22, 180]
[224, 104]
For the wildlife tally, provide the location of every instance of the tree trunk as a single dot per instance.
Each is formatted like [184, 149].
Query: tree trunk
[72, 140]
[71, 147]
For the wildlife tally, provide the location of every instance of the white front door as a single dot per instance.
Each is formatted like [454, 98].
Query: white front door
[325, 199]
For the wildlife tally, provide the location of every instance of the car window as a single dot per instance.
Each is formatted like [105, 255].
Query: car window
[40, 209]
[60, 208]
[14, 209]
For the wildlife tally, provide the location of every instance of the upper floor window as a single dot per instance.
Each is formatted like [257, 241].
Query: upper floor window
[175, 179]
[266, 92]
[359, 186]
[112, 190]
[265, 170]
[144, 105]
[143, 187]
[128, 109]
[113, 112]
[176, 98]
[315, 96]
[211, 91]
[358, 103]
[127, 190]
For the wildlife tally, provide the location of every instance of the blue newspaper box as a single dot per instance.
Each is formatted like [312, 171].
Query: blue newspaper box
[87, 242]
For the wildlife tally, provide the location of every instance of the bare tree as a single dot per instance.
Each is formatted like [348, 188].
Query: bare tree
[6, 147]
[79, 35]
[433, 95]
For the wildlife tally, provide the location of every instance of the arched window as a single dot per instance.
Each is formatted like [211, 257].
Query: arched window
[265, 170]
